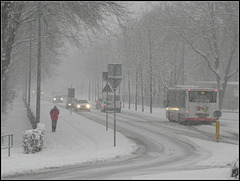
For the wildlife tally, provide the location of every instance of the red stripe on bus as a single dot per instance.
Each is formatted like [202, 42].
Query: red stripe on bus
[201, 119]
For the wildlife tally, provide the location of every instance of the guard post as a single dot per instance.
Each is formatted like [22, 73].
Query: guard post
[217, 114]
[217, 130]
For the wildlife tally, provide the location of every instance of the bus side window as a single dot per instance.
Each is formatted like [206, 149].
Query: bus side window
[190, 97]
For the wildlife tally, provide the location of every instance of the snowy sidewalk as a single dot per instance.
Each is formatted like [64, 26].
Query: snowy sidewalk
[17, 122]
[76, 140]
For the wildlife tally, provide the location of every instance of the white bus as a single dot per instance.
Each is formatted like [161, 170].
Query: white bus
[192, 105]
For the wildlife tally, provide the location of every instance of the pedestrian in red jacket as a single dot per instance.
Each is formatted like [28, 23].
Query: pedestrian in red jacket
[54, 116]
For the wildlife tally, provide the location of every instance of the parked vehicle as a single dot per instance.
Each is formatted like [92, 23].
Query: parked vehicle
[108, 105]
[98, 103]
[70, 103]
[57, 99]
[82, 105]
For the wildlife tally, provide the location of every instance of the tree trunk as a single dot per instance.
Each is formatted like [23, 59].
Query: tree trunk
[129, 102]
[136, 95]
[89, 90]
[123, 91]
[142, 91]
[150, 66]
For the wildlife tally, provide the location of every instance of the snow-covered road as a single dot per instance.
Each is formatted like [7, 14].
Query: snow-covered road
[165, 149]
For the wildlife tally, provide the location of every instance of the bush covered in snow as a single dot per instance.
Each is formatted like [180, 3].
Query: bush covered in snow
[235, 168]
[33, 139]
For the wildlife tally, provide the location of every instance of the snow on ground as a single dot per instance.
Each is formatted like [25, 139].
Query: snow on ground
[80, 140]
[222, 154]
[213, 173]
[76, 140]
[215, 167]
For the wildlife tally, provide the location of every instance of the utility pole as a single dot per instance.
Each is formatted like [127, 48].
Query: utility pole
[39, 65]
[29, 73]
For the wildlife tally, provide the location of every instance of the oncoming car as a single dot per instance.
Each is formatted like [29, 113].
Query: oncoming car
[82, 105]
[70, 103]
[58, 99]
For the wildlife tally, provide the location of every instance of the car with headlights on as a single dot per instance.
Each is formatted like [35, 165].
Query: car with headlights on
[82, 105]
[70, 103]
[57, 99]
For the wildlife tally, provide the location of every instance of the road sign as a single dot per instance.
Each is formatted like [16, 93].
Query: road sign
[114, 70]
[107, 88]
[71, 92]
[114, 74]
[105, 76]
[114, 81]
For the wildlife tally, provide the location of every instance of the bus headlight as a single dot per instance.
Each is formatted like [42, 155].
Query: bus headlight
[61, 98]
[78, 106]
[172, 108]
[88, 106]
[54, 99]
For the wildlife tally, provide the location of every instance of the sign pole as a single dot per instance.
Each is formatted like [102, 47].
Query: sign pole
[114, 78]
[107, 110]
[217, 130]
[114, 116]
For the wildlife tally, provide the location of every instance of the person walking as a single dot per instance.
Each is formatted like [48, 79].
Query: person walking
[54, 116]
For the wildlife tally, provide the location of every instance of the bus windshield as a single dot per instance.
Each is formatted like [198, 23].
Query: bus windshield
[203, 96]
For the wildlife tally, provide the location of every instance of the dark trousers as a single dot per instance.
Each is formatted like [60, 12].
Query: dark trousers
[54, 125]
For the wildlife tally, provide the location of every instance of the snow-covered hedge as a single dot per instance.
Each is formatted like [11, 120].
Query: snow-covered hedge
[33, 139]
[235, 168]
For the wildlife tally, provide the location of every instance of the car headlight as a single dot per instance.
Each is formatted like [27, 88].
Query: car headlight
[61, 98]
[69, 104]
[54, 99]
[78, 106]
[88, 106]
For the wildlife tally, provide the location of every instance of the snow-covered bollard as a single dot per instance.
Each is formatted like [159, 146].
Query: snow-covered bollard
[235, 168]
[33, 139]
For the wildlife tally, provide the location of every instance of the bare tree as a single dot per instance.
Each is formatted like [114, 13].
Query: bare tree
[212, 32]
[69, 21]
